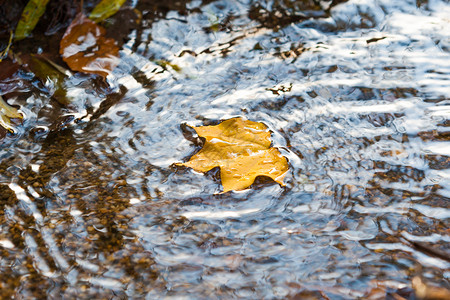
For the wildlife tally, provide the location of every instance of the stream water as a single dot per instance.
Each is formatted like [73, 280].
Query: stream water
[356, 95]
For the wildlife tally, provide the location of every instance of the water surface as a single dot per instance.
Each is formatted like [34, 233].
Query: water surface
[356, 95]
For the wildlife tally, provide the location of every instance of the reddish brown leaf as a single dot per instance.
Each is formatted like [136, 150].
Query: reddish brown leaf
[85, 48]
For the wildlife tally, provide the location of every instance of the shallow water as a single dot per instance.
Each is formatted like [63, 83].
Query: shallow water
[357, 98]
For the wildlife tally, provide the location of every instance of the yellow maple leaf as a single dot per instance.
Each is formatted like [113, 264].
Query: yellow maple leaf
[241, 149]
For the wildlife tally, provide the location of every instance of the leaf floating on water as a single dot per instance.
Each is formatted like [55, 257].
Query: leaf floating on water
[7, 113]
[59, 68]
[4, 53]
[52, 76]
[165, 63]
[241, 149]
[85, 48]
[30, 17]
[105, 9]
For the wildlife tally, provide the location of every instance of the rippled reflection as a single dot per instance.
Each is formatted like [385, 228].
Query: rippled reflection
[356, 96]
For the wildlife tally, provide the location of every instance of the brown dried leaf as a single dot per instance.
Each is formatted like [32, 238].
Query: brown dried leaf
[85, 48]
